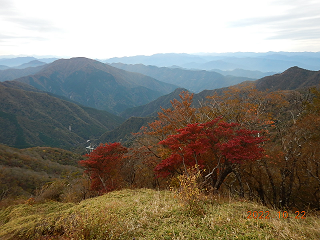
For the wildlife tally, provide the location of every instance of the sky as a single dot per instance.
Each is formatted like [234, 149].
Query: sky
[116, 28]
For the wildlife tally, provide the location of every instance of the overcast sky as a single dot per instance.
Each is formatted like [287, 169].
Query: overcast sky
[116, 28]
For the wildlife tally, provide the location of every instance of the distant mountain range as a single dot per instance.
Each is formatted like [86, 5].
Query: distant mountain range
[264, 62]
[193, 80]
[94, 84]
[29, 118]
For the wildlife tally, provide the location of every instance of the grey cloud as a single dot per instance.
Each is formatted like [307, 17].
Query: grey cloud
[5, 38]
[34, 24]
[7, 8]
[297, 34]
[301, 21]
[9, 14]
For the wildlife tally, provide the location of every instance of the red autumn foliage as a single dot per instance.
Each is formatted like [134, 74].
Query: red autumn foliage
[103, 165]
[209, 144]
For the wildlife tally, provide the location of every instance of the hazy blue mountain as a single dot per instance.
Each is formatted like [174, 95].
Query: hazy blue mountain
[193, 80]
[244, 73]
[3, 67]
[13, 73]
[12, 62]
[264, 62]
[162, 60]
[94, 84]
[252, 64]
[47, 60]
[33, 63]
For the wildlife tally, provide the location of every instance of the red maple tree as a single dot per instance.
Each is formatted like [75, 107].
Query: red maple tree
[215, 146]
[103, 165]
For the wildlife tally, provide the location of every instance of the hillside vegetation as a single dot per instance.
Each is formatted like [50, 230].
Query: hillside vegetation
[23, 171]
[151, 214]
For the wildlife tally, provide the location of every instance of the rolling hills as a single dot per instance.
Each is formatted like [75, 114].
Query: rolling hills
[94, 84]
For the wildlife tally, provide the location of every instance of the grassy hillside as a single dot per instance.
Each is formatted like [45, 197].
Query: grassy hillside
[150, 214]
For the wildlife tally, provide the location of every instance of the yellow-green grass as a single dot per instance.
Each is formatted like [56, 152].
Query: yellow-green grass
[150, 214]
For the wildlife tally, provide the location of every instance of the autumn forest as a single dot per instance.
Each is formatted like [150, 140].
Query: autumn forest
[253, 144]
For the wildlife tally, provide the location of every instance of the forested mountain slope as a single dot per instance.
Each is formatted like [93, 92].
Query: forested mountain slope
[37, 119]
[94, 84]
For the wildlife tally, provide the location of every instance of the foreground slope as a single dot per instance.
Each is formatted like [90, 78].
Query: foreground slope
[94, 84]
[37, 119]
[150, 214]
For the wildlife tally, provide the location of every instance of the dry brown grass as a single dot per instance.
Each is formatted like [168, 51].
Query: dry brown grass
[149, 214]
